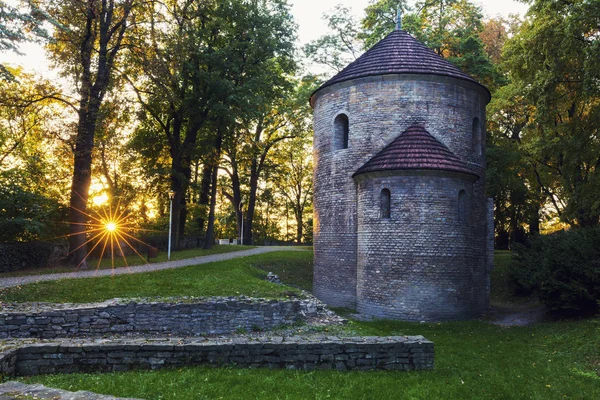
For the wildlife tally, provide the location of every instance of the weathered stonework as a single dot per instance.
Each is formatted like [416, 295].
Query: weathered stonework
[422, 263]
[21, 391]
[192, 317]
[402, 353]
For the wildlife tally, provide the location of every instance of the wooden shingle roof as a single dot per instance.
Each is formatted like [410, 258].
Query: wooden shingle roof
[399, 53]
[415, 149]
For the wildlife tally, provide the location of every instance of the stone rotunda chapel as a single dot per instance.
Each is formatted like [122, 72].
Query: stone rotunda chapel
[402, 228]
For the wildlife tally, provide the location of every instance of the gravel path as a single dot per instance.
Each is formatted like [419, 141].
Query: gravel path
[518, 315]
[22, 280]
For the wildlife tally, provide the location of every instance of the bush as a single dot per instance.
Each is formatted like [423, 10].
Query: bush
[563, 269]
[29, 255]
[26, 216]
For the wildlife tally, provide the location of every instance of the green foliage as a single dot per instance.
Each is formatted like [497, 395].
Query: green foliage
[550, 62]
[452, 28]
[25, 214]
[509, 177]
[563, 269]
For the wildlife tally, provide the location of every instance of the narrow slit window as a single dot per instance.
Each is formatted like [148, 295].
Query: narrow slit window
[462, 206]
[384, 204]
[342, 130]
[477, 140]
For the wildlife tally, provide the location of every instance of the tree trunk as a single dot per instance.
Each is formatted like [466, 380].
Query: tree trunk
[254, 172]
[210, 229]
[204, 197]
[534, 220]
[99, 28]
[80, 186]
[299, 227]
[178, 202]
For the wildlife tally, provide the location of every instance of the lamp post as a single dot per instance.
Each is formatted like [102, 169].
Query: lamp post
[171, 197]
[242, 213]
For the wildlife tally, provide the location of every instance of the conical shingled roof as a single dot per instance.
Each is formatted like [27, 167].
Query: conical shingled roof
[399, 53]
[415, 149]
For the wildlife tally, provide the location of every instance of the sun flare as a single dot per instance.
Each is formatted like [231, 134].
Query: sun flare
[111, 226]
[110, 232]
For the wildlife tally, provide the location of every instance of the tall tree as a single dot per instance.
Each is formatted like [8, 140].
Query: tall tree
[176, 75]
[294, 181]
[553, 62]
[87, 51]
[262, 61]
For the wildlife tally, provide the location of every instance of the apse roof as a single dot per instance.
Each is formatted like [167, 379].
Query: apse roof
[415, 149]
[399, 53]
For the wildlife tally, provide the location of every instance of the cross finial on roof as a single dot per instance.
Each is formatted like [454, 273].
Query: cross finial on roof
[399, 19]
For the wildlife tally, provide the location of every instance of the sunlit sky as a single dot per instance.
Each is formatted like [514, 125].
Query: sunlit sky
[308, 14]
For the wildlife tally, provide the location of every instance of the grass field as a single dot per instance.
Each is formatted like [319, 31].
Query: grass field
[474, 360]
[131, 260]
[241, 276]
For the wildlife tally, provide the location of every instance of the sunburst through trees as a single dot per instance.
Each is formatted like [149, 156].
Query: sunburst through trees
[108, 233]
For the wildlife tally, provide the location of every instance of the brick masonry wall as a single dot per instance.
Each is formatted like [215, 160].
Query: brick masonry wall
[211, 316]
[418, 264]
[359, 353]
[379, 109]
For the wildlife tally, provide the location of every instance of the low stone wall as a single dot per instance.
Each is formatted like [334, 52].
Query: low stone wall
[359, 353]
[187, 317]
[8, 362]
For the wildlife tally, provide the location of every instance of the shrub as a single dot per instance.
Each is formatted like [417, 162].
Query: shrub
[27, 216]
[563, 269]
[28, 255]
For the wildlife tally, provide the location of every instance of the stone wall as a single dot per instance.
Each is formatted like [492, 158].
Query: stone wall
[379, 109]
[191, 318]
[360, 353]
[416, 265]
[8, 362]
[21, 391]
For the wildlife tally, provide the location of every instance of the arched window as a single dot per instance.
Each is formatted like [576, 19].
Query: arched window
[384, 203]
[477, 140]
[462, 206]
[341, 130]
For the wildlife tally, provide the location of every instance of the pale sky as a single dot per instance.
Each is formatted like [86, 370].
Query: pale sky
[307, 14]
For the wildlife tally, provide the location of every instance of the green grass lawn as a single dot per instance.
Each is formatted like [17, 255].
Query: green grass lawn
[131, 260]
[474, 359]
[295, 269]
[241, 276]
